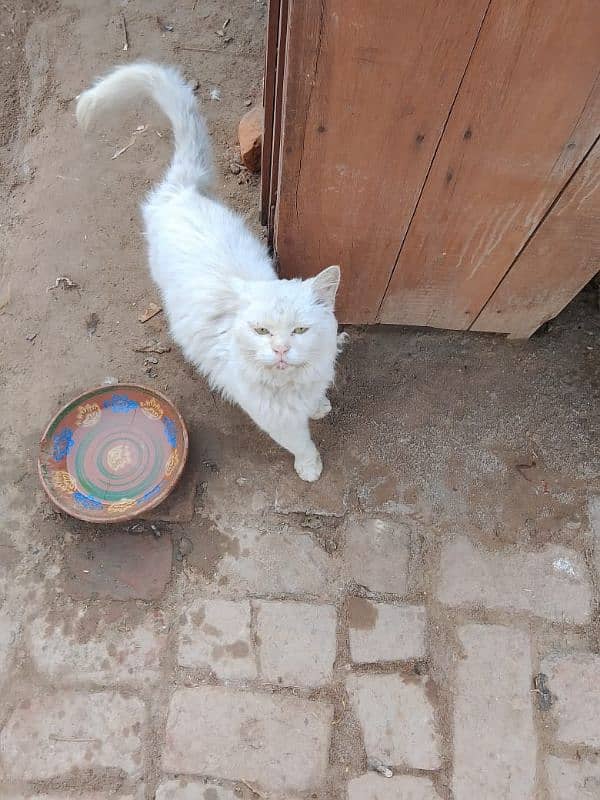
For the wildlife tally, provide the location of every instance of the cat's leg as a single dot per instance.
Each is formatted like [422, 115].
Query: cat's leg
[292, 433]
[322, 409]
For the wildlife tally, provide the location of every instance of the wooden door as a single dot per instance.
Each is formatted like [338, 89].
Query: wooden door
[425, 148]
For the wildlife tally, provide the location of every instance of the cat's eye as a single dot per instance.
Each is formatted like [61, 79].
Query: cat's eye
[262, 331]
[300, 330]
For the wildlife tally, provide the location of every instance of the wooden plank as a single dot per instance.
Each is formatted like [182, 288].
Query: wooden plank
[279, 92]
[369, 85]
[272, 38]
[560, 258]
[526, 114]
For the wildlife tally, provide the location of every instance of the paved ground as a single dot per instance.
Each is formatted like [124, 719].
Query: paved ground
[430, 606]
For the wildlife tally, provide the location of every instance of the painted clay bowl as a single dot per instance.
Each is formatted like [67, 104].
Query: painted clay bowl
[113, 453]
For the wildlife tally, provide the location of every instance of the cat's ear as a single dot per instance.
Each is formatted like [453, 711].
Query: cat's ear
[227, 302]
[325, 285]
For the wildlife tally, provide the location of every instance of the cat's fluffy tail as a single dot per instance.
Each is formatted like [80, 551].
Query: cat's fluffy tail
[192, 161]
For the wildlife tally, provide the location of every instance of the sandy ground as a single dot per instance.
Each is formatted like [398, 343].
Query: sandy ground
[455, 433]
[73, 210]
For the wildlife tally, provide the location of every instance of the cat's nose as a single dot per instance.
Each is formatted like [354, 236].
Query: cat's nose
[281, 349]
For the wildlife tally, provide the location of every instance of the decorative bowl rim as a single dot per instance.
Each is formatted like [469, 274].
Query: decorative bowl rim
[153, 502]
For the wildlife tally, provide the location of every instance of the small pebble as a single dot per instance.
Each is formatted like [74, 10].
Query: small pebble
[247, 103]
[235, 168]
[185, 546]
[377, 766]
[137, 528]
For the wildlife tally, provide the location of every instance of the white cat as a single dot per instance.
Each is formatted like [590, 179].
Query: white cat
[269, 345]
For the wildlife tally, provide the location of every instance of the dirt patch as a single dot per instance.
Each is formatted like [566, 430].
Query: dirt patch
[362, 614]
[118, 565]
[209, 545]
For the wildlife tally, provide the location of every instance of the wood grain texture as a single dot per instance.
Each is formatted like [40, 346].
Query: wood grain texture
[369, 86]
[560, 258]
[271, 48]
[279, 93]
[526, 114]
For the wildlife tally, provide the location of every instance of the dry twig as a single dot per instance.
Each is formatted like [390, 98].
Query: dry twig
[125, 33]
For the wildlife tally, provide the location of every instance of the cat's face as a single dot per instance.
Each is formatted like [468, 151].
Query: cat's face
[287, 325]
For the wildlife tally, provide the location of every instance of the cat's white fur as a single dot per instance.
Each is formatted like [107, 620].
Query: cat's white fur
[219, 288]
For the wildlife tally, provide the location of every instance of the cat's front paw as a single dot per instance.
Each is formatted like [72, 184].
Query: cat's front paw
[323, 409]
[309, 469]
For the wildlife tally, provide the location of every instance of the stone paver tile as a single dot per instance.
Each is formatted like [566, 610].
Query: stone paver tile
[377, 554]
[109, 656]
[573, 780]
[9, 628]
[594, 517]
[193, 790]
[277, 743]
[385, 632]
[327, 496]
[49, 736]
[552, 583]
[574, 682]
[118, 566]
[383, 493]
[494, 734]
[277, 563]
[397, 720]
[296, 642]
[235, 486]
[594, 514]
[400, 787]
[215, 634]
[72, 795]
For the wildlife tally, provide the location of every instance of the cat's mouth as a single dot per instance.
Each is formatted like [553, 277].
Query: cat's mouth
[282, 364]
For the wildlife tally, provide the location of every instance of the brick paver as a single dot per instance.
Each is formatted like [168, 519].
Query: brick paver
[111, 655]
[8, 634]
[215, 634]
[573, 779]
[271, 733]
[593, 509]
[397, 719]
[574, 682]
[118, 566]
[385, 632]
[400, 787]
[296, 642]
[552, 583]
[277, 563]
[66, 795]
[377, 554]
[326, 497]
[278, 742]
[46, 737]
[194, 790]
[494, 737]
